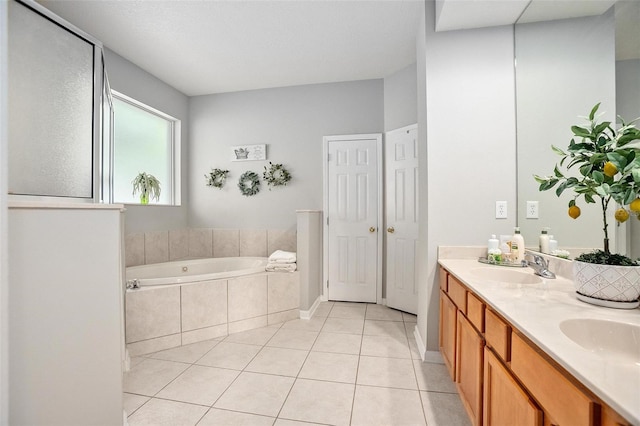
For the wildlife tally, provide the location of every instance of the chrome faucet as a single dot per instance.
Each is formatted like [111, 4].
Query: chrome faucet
[539, 264]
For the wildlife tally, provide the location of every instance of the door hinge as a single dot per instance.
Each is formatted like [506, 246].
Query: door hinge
[327, 283]
[327, 220]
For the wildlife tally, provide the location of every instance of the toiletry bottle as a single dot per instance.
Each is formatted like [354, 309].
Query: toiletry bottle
[544, 241]
[553, 244]
[494, 254]
[517, 246]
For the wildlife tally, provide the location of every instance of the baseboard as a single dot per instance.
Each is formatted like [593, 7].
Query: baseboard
[312, 310]
[422, 348]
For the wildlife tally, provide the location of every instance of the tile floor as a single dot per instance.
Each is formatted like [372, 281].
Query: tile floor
[351, 364]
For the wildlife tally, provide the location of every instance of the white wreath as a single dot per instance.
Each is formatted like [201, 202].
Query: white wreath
[249, 190]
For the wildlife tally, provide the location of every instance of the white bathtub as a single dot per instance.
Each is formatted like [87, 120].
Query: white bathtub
[191, 271]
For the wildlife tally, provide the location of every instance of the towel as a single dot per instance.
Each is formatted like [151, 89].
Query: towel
[280, 267]
[281, 256]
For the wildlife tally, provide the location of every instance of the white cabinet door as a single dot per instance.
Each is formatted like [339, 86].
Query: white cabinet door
[401, 210]
[353, 215]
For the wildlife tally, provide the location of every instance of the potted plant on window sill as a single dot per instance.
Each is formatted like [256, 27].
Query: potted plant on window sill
[608, 160]
[148, 186]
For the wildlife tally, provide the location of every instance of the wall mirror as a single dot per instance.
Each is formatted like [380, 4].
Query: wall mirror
[563, 68]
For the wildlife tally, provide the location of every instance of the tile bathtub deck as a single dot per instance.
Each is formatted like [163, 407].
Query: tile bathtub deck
[352, 364]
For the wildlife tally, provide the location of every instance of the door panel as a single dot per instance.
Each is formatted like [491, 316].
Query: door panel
[352, 211]
[401, 155]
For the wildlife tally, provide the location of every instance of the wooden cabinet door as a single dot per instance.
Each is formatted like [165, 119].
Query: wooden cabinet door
[505, 402]
[447, 332]
[469, 356]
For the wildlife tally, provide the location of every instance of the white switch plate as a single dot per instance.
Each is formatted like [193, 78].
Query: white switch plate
[501, 209]
[532, 210]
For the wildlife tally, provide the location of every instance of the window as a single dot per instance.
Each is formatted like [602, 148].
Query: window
[144, 140]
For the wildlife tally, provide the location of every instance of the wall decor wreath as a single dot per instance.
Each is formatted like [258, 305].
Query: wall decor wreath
[216, 178]
[249, 184]
[276, 175]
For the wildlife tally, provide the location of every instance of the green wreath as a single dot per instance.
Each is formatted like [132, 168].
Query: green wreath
[249, 184]
[216, 178]
[276, 175]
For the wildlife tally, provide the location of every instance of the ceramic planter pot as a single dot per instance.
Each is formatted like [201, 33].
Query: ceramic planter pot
[615, 286]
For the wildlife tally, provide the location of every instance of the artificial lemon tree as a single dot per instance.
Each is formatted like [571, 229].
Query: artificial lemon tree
[609, 164]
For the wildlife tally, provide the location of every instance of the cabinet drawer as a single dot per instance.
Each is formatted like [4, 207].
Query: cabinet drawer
[496, 333]
[457, 293]
[443, 279]
[563, 401]
[475, 312]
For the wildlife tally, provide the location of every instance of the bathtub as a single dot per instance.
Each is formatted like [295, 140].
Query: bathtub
[188, 301]
[191, 271]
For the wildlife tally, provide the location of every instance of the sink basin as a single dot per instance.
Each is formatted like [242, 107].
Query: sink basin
[610, 338]
[504, 275]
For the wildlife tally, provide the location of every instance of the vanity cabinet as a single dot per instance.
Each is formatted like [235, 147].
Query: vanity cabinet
[505, 402]
[502, 377]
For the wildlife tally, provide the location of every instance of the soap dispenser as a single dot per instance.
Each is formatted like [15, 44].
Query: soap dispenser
[544, 241]
[517, 246]
[494, 254]
[553, 244]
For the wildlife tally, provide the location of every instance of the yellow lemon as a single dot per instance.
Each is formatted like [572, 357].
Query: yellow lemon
[610, 169]
[622, 215]
[574, 212]
[635, 205]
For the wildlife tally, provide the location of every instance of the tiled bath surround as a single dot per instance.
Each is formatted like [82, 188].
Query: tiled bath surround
[165, 246]
[159, 318]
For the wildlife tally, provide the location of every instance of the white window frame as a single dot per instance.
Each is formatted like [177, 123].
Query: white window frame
[176, 130]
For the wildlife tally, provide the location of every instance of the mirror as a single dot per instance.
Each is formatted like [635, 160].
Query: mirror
[563, 68]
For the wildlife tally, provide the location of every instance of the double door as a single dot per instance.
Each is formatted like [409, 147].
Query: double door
[357, 231]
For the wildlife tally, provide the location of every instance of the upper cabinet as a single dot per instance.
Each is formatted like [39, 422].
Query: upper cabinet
[55, 76]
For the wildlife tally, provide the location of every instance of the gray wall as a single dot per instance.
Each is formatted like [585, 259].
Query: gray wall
[400, 99]
[628, 107]
[4, 247]
[470, 131]
[131, 80]
[292, 122]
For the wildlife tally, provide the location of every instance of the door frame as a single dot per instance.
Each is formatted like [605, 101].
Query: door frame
[325, 208]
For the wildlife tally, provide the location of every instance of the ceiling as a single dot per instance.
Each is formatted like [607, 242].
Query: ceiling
[204, 47]
[214, 46]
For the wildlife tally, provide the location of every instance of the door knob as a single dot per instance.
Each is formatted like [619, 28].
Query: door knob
[391, 230]
[372, 229]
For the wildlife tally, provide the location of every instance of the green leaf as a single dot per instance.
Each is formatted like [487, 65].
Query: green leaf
[597, 158]
[620, 161]
[560, 189]
[548, 185]
[600, 191]
[581, 132]
[557, 172]
[629, 196]
[589, 199]
[586, 169]
[572, 203]
[557, 150]
[598, 176]
[601, 127]
[636, 175]
[593, 111]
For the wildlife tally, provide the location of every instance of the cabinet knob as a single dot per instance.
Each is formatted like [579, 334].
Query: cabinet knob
[391, 230]
[372, 229]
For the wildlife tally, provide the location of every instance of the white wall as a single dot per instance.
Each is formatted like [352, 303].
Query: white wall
[4, 248]
[292, 122]
[628, 107]
[400, 99]
[563, 69]
[129, 79]
[470, 130]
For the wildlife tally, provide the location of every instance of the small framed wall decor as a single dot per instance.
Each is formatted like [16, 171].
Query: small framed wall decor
[248, 152]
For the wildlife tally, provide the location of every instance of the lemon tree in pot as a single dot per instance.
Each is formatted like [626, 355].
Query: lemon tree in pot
[608, 162]
[148, 186]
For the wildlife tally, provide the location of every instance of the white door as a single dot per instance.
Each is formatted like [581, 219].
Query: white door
[353, 216]
[401, 211]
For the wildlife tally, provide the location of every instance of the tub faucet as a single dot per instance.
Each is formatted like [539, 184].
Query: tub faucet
[539, 264]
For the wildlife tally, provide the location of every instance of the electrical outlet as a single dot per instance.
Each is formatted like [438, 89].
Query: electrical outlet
[501, 209]
[532, 209]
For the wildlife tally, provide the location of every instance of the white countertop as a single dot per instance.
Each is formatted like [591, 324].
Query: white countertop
[538, 309]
